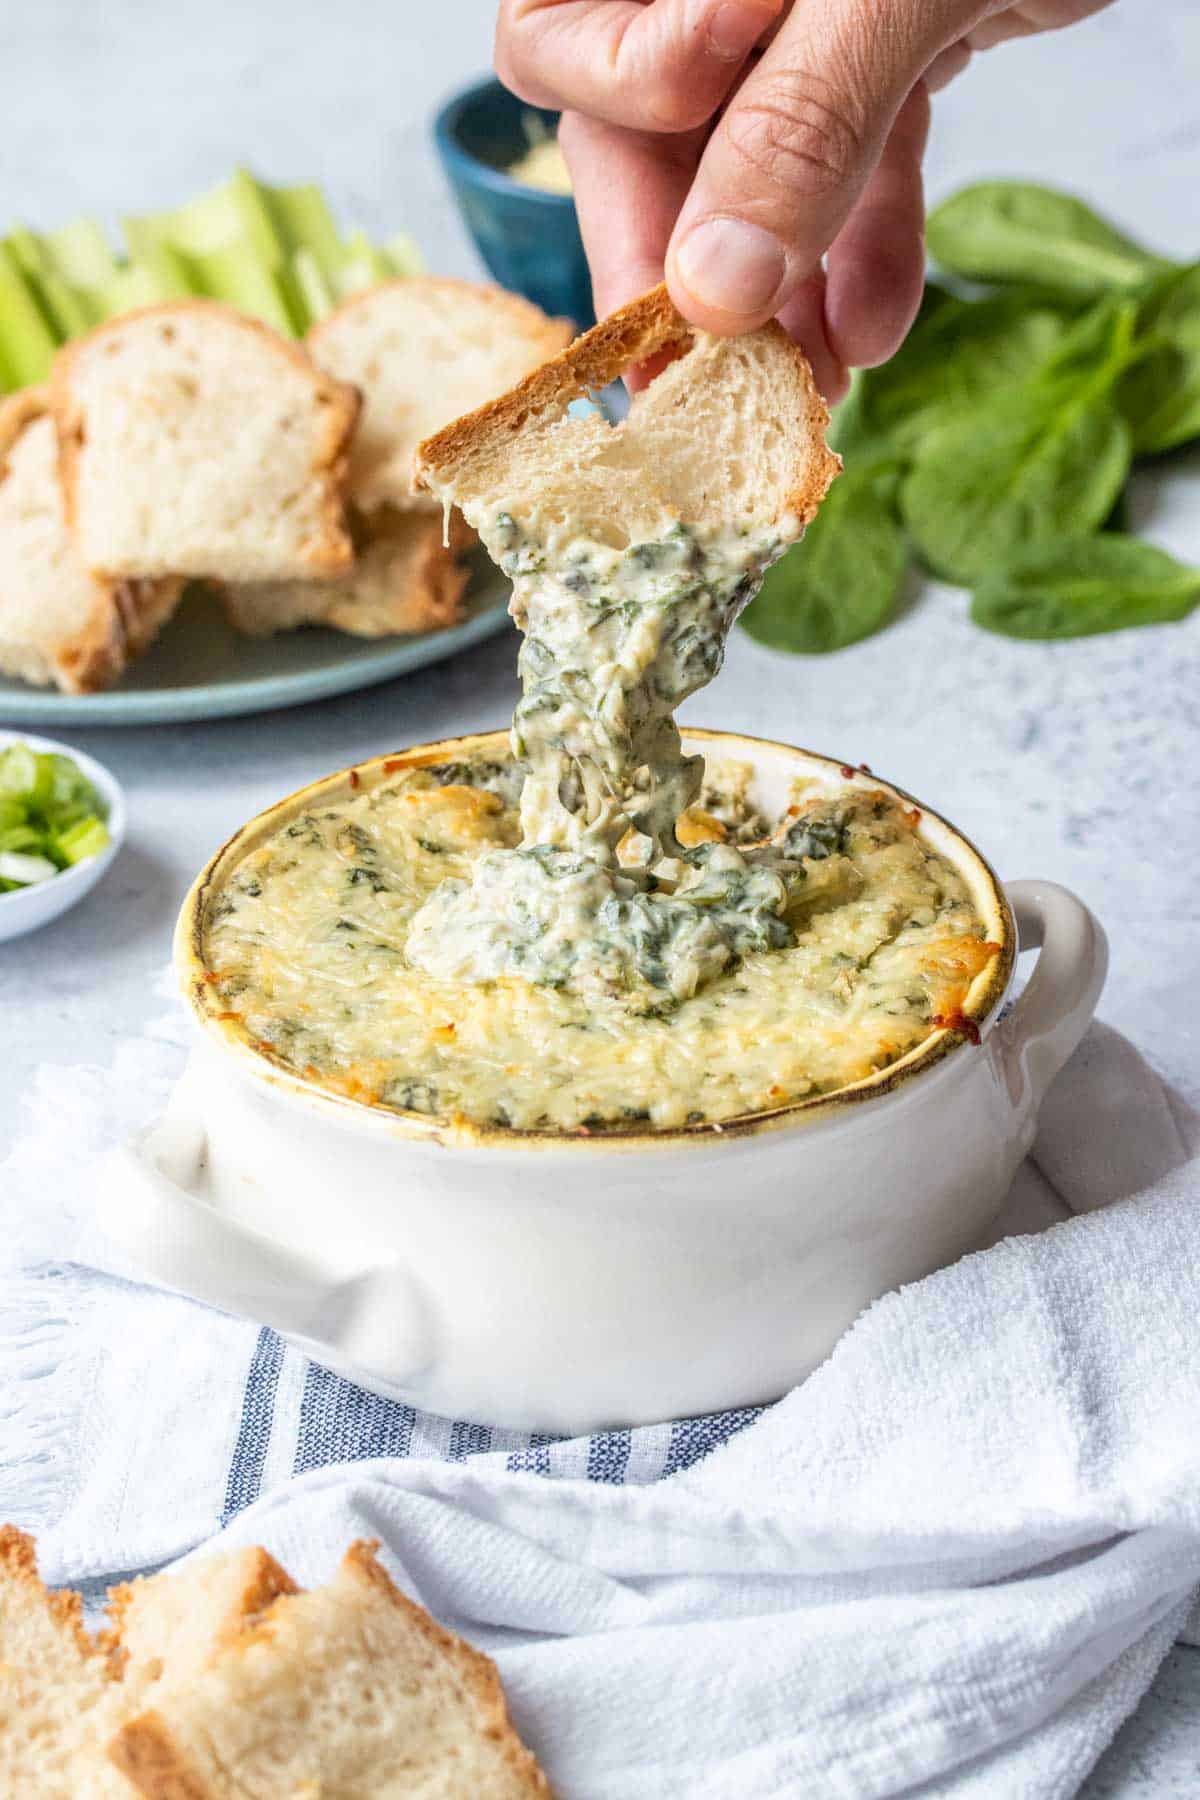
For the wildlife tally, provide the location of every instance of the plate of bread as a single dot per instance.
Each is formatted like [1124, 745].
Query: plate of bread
[200, 516]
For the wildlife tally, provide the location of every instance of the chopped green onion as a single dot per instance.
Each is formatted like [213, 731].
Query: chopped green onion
[51, 816]
[18, 771]
[26, 869]
[88, 838]
[21, 837]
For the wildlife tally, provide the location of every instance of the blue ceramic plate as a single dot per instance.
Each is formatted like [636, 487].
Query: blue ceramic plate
[201, 669]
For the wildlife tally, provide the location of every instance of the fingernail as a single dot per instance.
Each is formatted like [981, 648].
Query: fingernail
[736, 26]
[731, 266]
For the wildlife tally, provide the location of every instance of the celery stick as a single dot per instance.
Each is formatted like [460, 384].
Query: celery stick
[81, 254]
[303, 221]
[63, 270]
[233, 211]
[12, 812]
[236, 274]
[26, 250]
[63, 310]
[362, 265]
[72, 310]
[402, 253]
[157, 273]
[314, 295]
[88, 838]
[27, 343]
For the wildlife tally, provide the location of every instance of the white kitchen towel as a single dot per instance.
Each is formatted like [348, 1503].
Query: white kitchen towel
[952, 1560]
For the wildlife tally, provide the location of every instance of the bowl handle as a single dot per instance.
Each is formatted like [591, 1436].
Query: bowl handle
[1056, 1007]
[371, 1319]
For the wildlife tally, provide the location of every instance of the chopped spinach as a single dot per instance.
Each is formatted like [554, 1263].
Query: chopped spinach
[361, 876]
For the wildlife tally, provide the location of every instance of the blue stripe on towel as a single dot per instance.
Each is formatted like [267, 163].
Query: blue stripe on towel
[608, 1456]
[254, 1433]
[340, 1422]
[468, 1440]
[694, 1439]
[536, 1459]
[336, 1421]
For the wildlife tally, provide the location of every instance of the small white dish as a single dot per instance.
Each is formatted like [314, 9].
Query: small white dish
[25, 909]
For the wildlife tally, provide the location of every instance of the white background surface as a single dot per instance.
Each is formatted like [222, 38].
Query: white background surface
[1074, 761]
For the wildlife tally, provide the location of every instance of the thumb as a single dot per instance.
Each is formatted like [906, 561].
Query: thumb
[794, 150]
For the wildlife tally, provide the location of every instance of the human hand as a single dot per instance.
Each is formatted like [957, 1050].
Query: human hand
[765, 154]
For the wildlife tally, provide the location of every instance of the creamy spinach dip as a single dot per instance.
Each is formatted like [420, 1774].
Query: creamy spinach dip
[872, 939]
[615, 639]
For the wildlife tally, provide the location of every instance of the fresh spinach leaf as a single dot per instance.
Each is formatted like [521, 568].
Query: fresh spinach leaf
[1119, 514]
[1161, 396]
[1006, 231]
[953, 357]
[1039, 461]
[1079, 587]
[839, 583]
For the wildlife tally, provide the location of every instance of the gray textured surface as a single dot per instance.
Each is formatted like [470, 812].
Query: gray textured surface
[1073, 761]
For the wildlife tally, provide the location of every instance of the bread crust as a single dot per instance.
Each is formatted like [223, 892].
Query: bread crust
[432, 599]
[631, 335]
[145, 1749]
[124, 616]
[332, 553]
[534, 323]
[479, 1672]
[18, 1561]
[515, 317]
[264, 1581]
[427, 579]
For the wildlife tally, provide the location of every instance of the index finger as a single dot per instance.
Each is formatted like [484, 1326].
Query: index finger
[665, 66]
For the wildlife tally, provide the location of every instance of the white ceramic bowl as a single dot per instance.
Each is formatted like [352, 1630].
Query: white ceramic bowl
[24, 909]
[564, 1282]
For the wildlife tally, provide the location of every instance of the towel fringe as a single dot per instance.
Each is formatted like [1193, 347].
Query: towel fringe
[42, 1386]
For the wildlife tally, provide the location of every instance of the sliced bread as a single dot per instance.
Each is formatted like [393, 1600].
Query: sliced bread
[194, 441]
[423, 350]
[56, 1690]
[171, 1624]
[59, 625]
[63, 1695]
[350, 1692]
[730, 433]
[404, 579]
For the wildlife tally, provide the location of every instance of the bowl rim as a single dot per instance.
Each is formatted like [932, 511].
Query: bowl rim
[452, 151]
[938, 1050]
[71, 884]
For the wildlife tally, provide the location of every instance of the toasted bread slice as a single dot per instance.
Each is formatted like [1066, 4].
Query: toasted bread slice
[171, 1624]
[404, 580]
[732, 432]
[56, 1691]
[63, 1695]
[196, 442]
[349, 1690]
[58, 624]
[424, 350]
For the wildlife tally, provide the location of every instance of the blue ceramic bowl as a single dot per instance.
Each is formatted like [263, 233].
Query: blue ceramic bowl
[529, 239]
